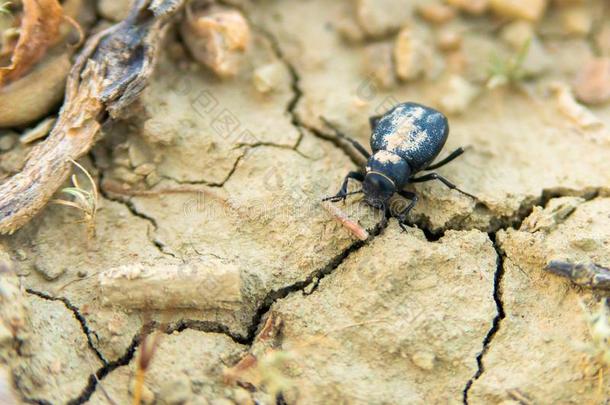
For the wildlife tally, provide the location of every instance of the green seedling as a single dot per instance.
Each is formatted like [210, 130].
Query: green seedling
[5, 8]
[508, 71]
[83, 200]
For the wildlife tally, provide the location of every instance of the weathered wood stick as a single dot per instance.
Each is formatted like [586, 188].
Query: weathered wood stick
[198, 285]
[109, 74]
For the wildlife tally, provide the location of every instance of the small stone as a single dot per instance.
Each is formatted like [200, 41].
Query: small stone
[517, 33]
[592, 84]
[55, 367]
[350, 30]
[378, 64]
[576, 20]
[7, 141]
[602, 40]
[424, 360]
[475, 7]
[126, 175]
[382, 17]
[408, 55]
[159, 131]
[152, 179]
[268, 77]
[82, 273]
[114, 10]
[144, 169]
[243, 397]
[531, 10]
[586, 244]
[50, 273]
[21, 255]
[458, 95]
[216, 37]
[137, 155]
[449, 40]
[436, 13]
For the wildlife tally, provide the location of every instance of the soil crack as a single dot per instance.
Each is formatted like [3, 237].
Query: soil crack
[79, 317]
[312, 280]
[500, 314]
[181, 325]
[133, 210]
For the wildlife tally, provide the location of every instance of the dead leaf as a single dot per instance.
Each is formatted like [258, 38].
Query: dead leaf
[39, 31]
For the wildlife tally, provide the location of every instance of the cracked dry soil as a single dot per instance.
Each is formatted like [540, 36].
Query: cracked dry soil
[220, 185]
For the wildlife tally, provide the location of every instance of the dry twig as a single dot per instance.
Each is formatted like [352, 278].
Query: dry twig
[109, 74]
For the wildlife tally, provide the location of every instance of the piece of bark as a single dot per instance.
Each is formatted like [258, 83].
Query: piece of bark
[109, 74]
[200, 285]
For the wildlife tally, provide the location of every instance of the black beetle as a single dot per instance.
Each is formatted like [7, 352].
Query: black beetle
[405, 140]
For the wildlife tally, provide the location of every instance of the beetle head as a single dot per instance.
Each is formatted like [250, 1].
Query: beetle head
[378, 189]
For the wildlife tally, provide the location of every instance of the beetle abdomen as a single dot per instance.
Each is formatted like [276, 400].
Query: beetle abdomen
[412, 131]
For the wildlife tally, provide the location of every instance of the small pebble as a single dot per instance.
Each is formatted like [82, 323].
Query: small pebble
[424, 360]
[378, 64]
[144, 169]
[350, 30]
[7, 141]
[268, 77]
[576, 20]
[602, 40]
[217, 37]
[408, 55]
[475, 7]
[458, 95]
[137, 155]
[114, 10]
[125, 175]
[531, 10]
[449, 40]
[592, 84]
[152, 179]
[436, 13]
[382, 17]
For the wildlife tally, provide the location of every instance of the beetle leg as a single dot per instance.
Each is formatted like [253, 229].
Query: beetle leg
[357, 145]
[585, 275]
[448, 159]
[436, 176]
[402, 215]
[342, 194]
[374, 120]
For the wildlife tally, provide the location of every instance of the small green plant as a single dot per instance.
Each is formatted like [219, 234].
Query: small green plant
[504, 71]
[5, 8]
[84, 200]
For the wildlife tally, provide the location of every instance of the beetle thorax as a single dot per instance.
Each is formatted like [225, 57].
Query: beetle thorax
[389, 165]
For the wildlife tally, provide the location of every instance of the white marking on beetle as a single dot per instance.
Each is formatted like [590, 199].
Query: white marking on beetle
[384, 156]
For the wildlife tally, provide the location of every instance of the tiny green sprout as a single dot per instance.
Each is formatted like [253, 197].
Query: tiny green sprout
[504, 71]
[83, 200]
[5, 8]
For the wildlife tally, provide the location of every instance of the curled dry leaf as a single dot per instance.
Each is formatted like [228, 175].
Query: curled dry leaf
[39, 31]
[216, 37]
[104, 80]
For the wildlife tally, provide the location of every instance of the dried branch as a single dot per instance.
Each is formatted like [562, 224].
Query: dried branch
[109, 74]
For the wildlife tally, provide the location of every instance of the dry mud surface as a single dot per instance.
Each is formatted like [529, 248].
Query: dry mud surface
[219, 186]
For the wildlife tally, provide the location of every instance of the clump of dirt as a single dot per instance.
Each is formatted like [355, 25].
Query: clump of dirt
[210, 233]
